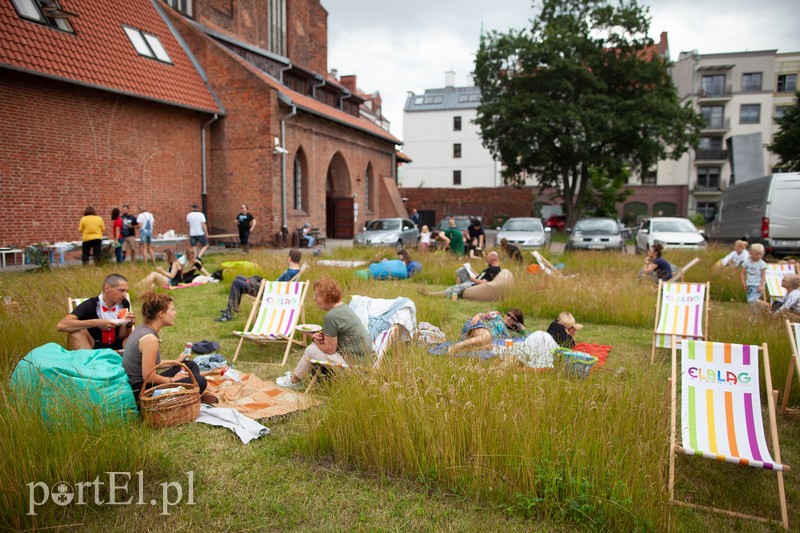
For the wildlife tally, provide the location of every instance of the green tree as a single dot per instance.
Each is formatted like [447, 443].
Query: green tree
[580, 98]
[787, 141]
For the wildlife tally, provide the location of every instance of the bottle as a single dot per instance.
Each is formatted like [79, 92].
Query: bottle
[187, 350]
[232, 374]
[509, 344]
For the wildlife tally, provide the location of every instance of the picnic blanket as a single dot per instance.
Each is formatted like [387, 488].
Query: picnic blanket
[257, 398]
[199, 280]
[598, 350]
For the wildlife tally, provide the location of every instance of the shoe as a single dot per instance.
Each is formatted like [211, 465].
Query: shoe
[224, 318]
[208, 398]
[285, 381]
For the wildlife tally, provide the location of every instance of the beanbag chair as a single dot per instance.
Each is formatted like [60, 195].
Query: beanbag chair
[492, 291]
[392, 268]
[64, 382]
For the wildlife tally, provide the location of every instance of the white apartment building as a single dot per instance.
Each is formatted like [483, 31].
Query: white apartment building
[739, 94]
[443, 142]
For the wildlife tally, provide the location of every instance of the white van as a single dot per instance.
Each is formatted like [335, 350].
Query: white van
[765, 210]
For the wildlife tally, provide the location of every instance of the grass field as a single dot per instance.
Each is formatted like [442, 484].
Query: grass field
[425, 443]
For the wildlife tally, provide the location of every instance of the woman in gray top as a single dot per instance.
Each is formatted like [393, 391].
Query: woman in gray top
[143, 349]
[343, 339]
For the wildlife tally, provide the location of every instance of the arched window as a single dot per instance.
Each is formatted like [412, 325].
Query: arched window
[368, 188]
[299, 182]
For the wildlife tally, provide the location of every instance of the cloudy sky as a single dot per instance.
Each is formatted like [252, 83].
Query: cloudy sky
[396, 47]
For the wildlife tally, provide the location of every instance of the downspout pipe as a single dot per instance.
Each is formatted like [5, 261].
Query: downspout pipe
[204, 183]
[314, 88]
[284, 221]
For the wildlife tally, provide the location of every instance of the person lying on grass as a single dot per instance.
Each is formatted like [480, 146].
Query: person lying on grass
[343, 339]
[143, 349]
[480, 330]
[563, 330]
[464, 280]
[163, 278]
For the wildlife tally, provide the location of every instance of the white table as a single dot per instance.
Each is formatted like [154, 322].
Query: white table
[14, 252]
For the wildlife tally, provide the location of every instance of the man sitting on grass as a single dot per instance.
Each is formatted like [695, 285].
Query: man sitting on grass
[103, 321]
[464, 280]
[242, 285]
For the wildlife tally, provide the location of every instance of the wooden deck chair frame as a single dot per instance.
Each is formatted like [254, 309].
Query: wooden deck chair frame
[290, 340]
[773, 290]
[703, 334]
[682, 271]
[547, 266]
[794, 368]
[296, 277]
[773, 438]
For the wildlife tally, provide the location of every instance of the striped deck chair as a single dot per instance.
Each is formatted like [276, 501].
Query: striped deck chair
[548, 268]
[274, 316]
[721, 412]
[775, 274]
[681, 313]
[680, 272]
[793, 328]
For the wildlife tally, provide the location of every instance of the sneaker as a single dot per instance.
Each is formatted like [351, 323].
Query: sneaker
[224, 318]
[285, 381]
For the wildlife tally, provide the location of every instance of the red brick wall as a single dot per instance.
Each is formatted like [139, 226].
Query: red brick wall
[65, 147]
[307, 34]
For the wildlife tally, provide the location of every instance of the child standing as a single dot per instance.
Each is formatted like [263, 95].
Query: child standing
[754, 274]
[424, 238]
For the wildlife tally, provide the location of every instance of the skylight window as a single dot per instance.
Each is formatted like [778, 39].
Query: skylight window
[46, 12]
[147, 45]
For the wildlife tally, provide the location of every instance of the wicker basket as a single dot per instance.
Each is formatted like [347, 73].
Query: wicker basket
[171, 409]
[577, 364]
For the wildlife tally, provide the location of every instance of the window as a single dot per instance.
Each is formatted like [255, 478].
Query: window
[708, 178]
[182, 6]
[456, 123]
[298, 183]
[433, 100]
[780, 110]
[46, 12]
[714, 115]
[710, 143]
[368, 188]
[650, 176]
[456, 177]
[750, 114]
[147, 45]
[707, 209]
[751, 81]
[787, 83]
[457, 150]
[713, 85]
[419, 100]
[475, 97]
[277, 27]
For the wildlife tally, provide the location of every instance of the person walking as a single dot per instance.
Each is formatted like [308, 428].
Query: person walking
[245, 223]
[198, 230]
[92, 228]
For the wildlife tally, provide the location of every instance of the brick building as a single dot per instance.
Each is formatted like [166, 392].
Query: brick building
[240, 109]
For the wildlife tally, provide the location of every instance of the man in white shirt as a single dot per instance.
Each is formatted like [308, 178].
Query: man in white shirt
[146, 224]
[198, 231]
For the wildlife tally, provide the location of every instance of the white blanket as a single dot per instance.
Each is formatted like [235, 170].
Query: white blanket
[232, 419]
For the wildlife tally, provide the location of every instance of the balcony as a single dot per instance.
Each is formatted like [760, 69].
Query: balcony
[717, 125]
[707, 188]
[715, 94]
[715, 155]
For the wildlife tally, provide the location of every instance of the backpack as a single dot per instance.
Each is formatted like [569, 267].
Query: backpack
[428, 334]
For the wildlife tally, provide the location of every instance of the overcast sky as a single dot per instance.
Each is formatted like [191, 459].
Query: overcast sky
[395, 47]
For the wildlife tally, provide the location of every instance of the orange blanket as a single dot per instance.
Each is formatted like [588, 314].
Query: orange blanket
[598, 350]
[257, 398]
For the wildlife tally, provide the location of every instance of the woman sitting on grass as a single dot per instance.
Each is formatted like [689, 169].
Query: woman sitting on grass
[343, 339]
[656, 267]
[563, 330]
[163, 278]
[193, 268]
[480, 330]
[143, 349]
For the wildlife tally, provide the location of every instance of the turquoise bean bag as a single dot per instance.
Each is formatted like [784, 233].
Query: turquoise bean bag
[67, 383]
[390, 269]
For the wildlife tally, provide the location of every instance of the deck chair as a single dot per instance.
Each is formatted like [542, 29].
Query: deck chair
[548, 268]
[72, 303]
[296, 277]
[793, 328]
[721, 412]
[678, 274]
[775, 274]
[681, 313]
[277, 308]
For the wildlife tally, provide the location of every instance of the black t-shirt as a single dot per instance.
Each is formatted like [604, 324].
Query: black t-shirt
[243, 221]
[560, 335]
[663, 269]
[192, 271]
[88, 311]
[128, 226]
[490, 273]
[475, 231]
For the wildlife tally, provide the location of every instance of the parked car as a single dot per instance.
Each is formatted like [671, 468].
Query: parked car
[399, 232]
[462, 222]
[524, 233]
[556, 222]
[596, 233]
[672, 232]
[761, 210]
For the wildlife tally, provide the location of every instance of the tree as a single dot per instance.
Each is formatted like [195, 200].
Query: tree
[579, 99]
[787, 141]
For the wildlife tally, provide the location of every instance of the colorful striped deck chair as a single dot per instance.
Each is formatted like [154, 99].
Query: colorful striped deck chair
[274, 316]
[775, 274]
[721, 412]
[793, 328]
[681, 313]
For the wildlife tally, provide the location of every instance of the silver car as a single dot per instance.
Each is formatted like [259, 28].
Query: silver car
[399, 232]
[596, 233]
[672, 232]
[524, 233]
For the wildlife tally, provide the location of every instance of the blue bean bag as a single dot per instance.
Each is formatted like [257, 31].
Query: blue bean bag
[68, 383]
[390, 269]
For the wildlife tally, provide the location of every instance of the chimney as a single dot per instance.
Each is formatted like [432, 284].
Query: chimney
[349, 81]
[334, 74]
[449, 79]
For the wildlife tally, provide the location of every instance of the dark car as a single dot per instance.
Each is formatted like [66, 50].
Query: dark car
[462, 222]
